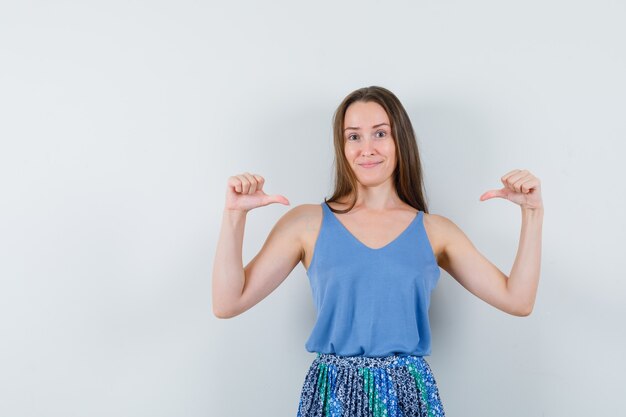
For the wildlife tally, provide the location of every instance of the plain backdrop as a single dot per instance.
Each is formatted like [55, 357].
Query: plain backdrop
[120, 122]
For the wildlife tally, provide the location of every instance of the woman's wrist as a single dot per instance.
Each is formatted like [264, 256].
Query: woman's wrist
[531, 213]
[234, 217]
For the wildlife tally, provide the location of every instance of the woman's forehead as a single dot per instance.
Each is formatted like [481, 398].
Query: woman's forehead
[365, 115]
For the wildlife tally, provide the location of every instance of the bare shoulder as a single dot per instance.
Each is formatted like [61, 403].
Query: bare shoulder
[302, 223]
[437, 221]
[440, 231]
[444, 235]
[304, 217]
[306, 222]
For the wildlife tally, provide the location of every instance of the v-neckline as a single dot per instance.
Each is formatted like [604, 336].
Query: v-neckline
[404, 231]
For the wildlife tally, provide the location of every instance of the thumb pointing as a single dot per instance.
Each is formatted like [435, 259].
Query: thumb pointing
[277, 198]
[493, 194]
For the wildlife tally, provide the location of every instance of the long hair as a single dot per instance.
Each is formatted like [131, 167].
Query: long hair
[407, 176]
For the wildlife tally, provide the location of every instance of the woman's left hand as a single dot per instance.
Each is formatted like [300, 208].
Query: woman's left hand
[520, 187]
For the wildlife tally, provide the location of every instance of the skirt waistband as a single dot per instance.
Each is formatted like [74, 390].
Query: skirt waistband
[369, 361]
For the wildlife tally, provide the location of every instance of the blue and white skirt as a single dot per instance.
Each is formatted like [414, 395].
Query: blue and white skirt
[361, 386]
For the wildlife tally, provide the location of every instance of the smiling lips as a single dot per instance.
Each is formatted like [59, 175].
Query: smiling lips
[370, 164]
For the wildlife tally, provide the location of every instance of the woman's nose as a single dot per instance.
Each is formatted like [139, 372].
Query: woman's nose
[367, 147]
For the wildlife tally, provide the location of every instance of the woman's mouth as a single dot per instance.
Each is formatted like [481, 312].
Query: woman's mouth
[370, 165]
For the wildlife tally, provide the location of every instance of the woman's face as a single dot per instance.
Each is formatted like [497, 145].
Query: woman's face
[369, 146]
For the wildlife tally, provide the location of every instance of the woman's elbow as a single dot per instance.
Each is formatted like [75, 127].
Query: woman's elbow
[522, 310]
[221, 315]
[224, 313]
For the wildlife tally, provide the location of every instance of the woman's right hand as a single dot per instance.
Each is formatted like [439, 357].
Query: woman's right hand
[244, 192]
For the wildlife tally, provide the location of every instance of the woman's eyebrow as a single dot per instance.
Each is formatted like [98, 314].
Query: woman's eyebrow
[373, 127]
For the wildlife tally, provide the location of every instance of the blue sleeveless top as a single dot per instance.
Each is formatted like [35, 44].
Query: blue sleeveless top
[371, 302]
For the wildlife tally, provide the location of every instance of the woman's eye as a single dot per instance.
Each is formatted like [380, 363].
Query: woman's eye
[350, 137]
[381, 133]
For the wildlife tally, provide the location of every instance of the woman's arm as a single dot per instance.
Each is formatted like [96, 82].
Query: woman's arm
[514, 294]
[234, 288]
[524, 278]
[228, 273]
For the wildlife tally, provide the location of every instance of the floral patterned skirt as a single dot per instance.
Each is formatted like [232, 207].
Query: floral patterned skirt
[361, 386]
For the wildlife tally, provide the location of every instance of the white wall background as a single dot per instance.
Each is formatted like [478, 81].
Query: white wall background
[121, 121]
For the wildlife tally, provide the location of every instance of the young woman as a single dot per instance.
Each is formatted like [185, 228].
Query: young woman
[372, 253]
